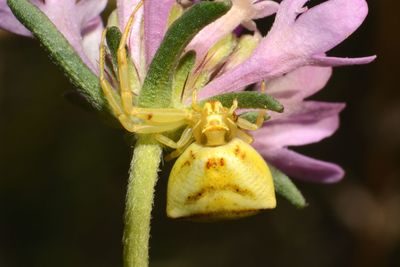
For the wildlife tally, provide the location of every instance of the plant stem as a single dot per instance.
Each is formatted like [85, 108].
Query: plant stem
[139, 201]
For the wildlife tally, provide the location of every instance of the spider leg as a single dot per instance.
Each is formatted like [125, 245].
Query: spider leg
[261, 113]
[234, 106]
[154, 120]
[176, 153]
[161, 116]
[244, 136]
[123, 68]
[185, 140]
[246, 125]
[146, 128]
[115, 102]
[236, 132]
[195, 103]
[108, 91]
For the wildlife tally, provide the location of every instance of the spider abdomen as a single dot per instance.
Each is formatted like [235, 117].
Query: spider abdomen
[221, 182]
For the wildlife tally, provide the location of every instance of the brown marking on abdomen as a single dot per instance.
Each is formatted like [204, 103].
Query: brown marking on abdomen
[221, 215]
[239, 153]
[237, 150]
[186, 163]
[211, 163]
[214, 163]
[211, 189]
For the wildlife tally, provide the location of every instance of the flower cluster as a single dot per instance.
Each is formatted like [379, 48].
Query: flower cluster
[291, 59]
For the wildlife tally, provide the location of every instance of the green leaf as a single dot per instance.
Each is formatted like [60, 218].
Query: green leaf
[182, 72]
[113, 37]
[249, 99]
[157, 87]
[251, 116]
[60, 51]
[286, 188]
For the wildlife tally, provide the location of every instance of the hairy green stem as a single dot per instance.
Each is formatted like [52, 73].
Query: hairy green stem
[139, 201]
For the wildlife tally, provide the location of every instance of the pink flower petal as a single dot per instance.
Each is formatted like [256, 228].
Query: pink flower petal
[340, 61]
[85, 23]
[265, 9]
[156, 14]
[92, 38]
[241, 11]
[292, 42]
[324, 26]
[210, 35]
[84, 13]
[301, 167]
[9, 22]
[308, 122]
[288, 11]
[299, 84]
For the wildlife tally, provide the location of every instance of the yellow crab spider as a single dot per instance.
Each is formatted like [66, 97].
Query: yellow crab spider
[218, 174]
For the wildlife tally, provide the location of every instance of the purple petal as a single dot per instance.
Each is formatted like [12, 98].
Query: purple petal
[292, 43]
[9, 22]
[92, 38]
[288, 11]
[339, 61]
[307, 111]
[301, 167]
[241, 11]
[324, 26]
[156, 14]
[135, 45]
[265, 9]
[308, 122]
[210, 35]
[300, 83]
[84, 14]
[79, 22]
[87, 9]
[125, 9]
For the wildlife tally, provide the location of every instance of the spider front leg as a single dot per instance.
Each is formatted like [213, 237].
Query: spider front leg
[123, 104]
[123, 68]
[261, 114]
[185, 139]
[165, 120]
[161, 116]
[246, 125]
[112, 97]
[109, 92]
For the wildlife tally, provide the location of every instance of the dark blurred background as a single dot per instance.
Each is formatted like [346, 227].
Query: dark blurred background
[63, 174]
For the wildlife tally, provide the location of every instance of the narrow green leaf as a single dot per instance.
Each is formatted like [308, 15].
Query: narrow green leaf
[251, 116]
[249, 99]
[157, 87]
[60, 51]
[113, 37]
[286, 188]
[181, 74]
